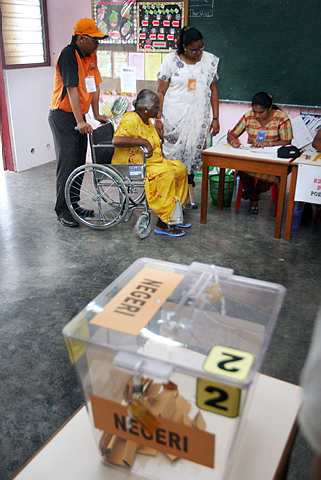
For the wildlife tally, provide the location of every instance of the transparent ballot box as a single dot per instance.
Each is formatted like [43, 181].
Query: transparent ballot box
[168, 356]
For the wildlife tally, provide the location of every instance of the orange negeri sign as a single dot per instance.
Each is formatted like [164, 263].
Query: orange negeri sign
[169, 437]
[136, 304]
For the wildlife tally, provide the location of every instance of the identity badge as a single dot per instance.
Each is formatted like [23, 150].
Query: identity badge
[191, 84]
[261, 136]
[90, 84]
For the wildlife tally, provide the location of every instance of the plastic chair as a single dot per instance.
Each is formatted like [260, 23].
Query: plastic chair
[274, 194]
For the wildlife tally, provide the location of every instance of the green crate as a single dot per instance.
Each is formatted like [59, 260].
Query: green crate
[228, 188]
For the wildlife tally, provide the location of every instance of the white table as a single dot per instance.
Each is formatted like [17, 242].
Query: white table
[225, 156]
[266, 439]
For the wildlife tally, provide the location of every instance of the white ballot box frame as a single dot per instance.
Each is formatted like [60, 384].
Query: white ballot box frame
[264, 444]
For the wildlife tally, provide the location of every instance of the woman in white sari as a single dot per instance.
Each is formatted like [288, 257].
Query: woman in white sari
[189, 101]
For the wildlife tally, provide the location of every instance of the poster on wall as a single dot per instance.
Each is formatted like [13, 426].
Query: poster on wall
[158, 25]
[116, 18]
[201, 8]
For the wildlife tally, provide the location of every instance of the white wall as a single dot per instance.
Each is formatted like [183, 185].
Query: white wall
[28, 90]
[62, 14]
[28, 96]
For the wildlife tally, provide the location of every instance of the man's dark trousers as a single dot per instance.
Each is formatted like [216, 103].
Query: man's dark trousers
[71, 150]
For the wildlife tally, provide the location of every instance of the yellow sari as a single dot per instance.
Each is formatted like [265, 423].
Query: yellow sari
[166, 180]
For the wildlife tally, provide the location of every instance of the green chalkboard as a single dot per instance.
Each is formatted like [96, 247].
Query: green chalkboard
[270, 45]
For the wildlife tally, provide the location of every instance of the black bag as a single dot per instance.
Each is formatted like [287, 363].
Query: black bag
[289, 151]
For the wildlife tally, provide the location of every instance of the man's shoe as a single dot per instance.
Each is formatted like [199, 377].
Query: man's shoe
[191, 206]
[68, 221]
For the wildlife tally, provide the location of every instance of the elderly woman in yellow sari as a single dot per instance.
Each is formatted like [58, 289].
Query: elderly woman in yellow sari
[166, 183]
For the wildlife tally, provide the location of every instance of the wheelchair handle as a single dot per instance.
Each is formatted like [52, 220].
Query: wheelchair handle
[145, 152]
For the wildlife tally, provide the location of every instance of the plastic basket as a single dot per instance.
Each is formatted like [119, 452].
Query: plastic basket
[214, 179]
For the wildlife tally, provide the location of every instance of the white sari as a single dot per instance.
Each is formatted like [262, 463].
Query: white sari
[187, 112]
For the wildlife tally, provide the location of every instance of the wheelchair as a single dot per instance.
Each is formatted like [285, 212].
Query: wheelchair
[100, 195]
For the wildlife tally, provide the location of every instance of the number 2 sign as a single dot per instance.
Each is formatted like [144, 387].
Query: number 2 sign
[229, 362]
[217, 397]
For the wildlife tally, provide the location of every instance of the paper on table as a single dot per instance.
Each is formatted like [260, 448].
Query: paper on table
[265, 150]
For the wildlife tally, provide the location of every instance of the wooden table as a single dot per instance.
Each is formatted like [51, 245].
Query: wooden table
[224, 156]
[290, 205]
[262, 452]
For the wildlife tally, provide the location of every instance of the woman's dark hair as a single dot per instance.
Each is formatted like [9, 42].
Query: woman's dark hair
[145, 99]
[186, 36]
[263, 99]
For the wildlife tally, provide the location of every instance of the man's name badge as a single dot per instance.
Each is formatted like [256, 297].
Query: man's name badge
[90, 84]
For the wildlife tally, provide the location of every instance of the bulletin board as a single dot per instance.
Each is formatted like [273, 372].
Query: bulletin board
[141, 34]
[148, 25]
[116, 18]
[158, 25]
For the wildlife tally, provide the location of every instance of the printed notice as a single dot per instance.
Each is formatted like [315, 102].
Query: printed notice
[136, 304]
[308, 186]
[128, 80]
[120, 59]
[136, 60]
[152, 65]
[104, 63]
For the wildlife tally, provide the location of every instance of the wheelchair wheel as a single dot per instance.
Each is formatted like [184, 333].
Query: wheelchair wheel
[143, 225]
[96, 196]
[136, 193]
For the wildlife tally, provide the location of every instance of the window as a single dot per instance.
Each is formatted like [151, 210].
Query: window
[24, 33]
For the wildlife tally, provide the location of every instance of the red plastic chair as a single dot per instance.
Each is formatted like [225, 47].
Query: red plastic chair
[274, 195]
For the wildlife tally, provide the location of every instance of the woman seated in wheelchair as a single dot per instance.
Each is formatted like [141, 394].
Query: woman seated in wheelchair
[266, 126]
[166, 184]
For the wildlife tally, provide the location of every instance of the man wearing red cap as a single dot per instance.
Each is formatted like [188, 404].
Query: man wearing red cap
[76, 88]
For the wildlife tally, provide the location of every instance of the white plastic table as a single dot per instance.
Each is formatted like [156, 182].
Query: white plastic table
[264, 446]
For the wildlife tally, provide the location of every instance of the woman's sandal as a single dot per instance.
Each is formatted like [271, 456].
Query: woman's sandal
[254, 209]
[184, 225]
[169, 232]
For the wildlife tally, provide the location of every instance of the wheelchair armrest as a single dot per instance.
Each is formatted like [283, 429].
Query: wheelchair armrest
[141, 148]
[103, 145]
[145, 153]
